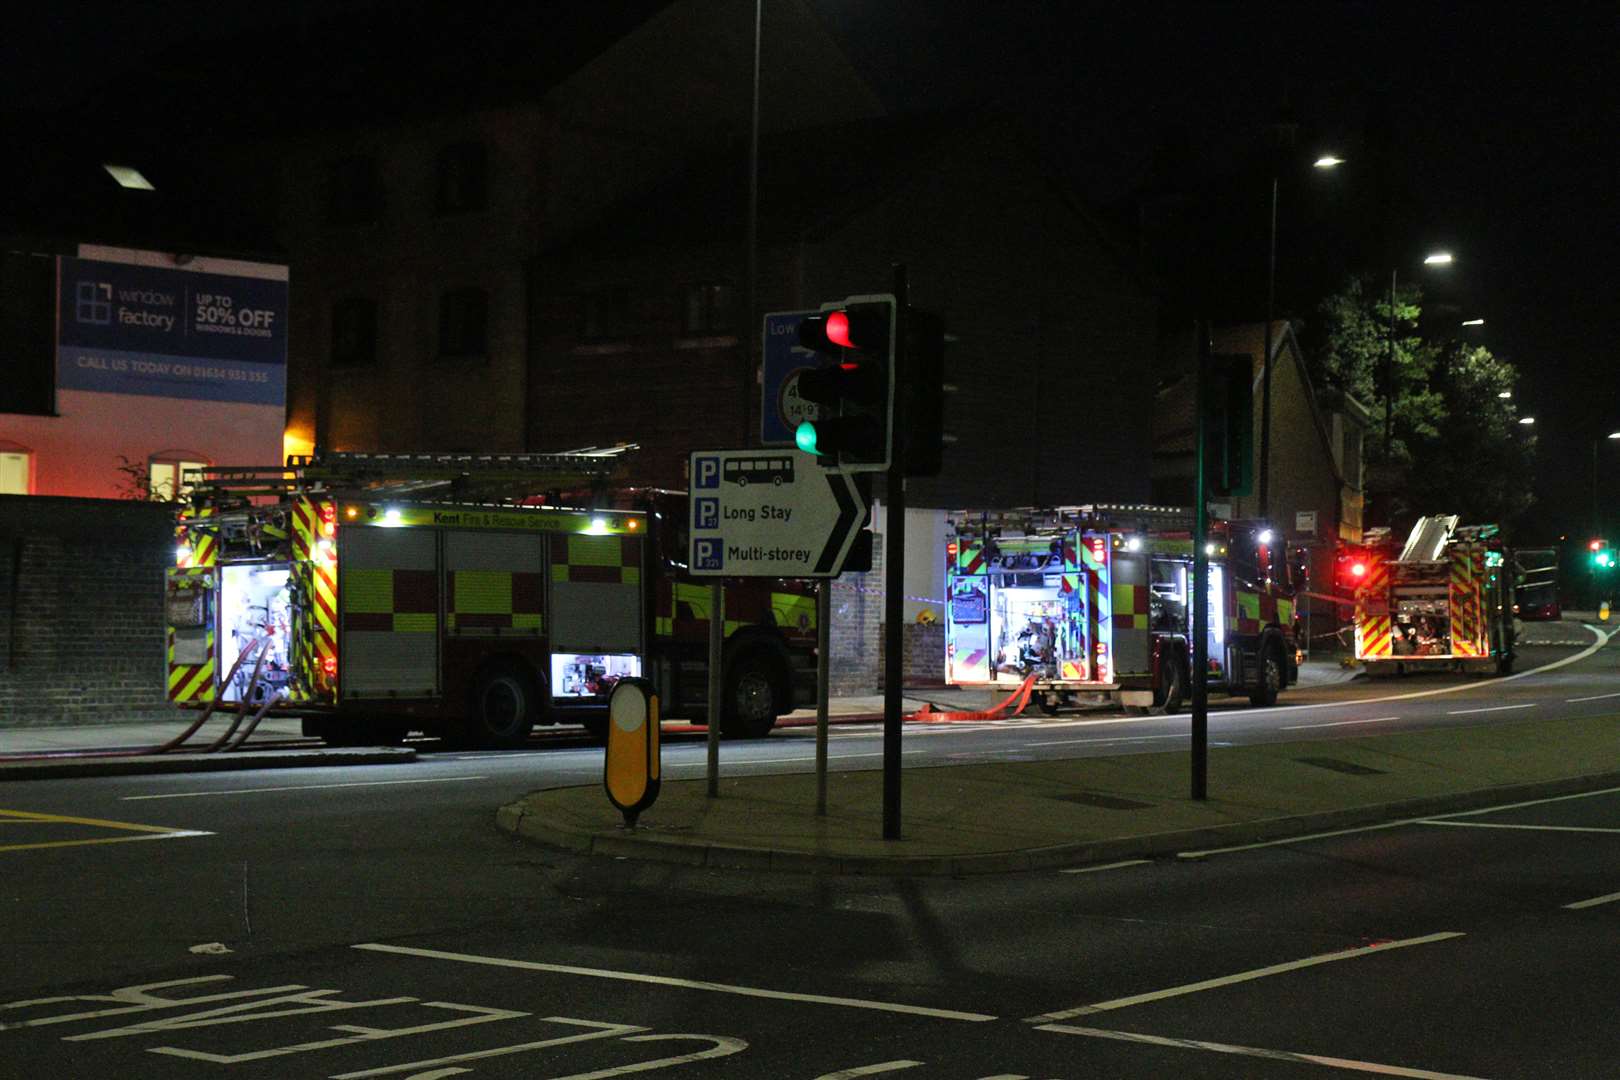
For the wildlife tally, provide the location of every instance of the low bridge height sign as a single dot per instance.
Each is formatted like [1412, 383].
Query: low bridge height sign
[770, 513]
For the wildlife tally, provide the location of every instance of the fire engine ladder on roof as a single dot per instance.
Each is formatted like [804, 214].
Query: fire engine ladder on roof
[424, 476]
[1041, 520]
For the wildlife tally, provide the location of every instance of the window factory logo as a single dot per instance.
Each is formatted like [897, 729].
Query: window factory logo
[97, 304]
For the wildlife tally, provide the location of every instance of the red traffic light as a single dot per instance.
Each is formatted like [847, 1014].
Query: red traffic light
[1596, 545]
[1358, 569]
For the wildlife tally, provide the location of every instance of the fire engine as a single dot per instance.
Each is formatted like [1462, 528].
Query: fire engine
[462, 596]
[1092, 602]
[1444, 600]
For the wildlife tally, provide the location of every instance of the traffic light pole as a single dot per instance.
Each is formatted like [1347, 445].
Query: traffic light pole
[894, 577]
[1200, 589]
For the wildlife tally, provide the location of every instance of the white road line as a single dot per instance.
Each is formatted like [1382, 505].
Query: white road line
[1338, 723]
[869, 1070]
[1254, 1051]
[1120, 738]
[779, 760]
[1391, 824]
[1242, 976]
[1492, 708]
[687, 984]
[1508, 825]
[299, 787]
[1594, 697]
[1594, 902]
[1106, 866]
[1602, 637]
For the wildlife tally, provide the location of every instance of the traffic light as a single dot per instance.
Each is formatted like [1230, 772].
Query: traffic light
[853, 388]
[1601, 555]
[921, 378]
[1227, 401]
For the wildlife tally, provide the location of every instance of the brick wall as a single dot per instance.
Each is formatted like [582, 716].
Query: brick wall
[81, 611]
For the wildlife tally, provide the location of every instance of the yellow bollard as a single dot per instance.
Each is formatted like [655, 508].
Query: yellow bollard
[630, 766]
[1603, 611]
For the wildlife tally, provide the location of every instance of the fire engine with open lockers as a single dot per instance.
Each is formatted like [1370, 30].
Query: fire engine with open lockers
[1093, 602]
[460, 595]
[1443, 600]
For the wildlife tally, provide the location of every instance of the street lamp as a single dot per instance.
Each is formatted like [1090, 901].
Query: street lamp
[1597, 525]
[1436, 258]
[1326, 161]
[1473, 322]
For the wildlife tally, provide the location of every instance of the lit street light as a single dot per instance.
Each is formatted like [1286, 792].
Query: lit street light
[1505, 394]
[1437, 258]
[1527, 420]
[1326, 161]
[1473, 322]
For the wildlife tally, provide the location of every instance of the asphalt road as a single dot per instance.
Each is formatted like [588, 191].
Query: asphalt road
[377, 924]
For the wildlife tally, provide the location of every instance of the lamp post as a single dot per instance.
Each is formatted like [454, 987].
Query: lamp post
[1326, 161]
[1597, 522]
[1438, 258]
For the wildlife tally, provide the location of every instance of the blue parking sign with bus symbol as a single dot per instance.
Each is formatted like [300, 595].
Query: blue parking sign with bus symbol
[706, 472]
[706, 514]
[708, 554]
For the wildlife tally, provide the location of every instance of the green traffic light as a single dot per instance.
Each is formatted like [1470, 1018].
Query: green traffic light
[804, 436]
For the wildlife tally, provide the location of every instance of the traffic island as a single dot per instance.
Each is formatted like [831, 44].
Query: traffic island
[987, 818]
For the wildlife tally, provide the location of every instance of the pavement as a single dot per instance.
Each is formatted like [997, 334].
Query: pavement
[961, 819]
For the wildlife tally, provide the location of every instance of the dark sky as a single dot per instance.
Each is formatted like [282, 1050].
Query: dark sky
[1488, 129]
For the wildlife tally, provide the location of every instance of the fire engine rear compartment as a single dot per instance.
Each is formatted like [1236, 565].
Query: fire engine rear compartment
[254, 602]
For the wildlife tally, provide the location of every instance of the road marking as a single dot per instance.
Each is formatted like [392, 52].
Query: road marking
[598, 1030]
[1338, 723]
[1106, 866]
[1492, 708]
[1120, 738]
[300, 787]
[1254, 1051]
[1594, 902]
[1602, 637]
[1594, 697]
[1391, 824]
[1242, 976]
[869, 1070]
[781, 760]
[148, 832]
[688, 984]
[1507, 825]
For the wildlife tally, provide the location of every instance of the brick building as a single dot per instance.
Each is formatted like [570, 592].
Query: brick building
[1316, 489]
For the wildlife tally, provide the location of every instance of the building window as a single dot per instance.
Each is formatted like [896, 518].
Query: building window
[709, 309]
[463, 172]
[464, 323]
[167, 479]
[606, 315]
[14, 470]
[354, 332]
[354, 194]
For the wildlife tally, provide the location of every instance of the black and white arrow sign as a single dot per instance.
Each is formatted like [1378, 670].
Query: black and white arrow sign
[770, 513]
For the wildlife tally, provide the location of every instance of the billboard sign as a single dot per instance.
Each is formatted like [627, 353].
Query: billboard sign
[127, 328]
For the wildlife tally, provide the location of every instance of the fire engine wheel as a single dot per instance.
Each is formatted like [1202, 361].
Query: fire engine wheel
[752, 697]
[1172, 686]
[506, 706]
[1266, 690]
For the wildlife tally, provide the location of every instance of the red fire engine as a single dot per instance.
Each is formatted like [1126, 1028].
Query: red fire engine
[376, 594]
[1093, 602]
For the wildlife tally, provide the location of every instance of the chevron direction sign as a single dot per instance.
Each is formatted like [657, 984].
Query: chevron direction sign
[770, 513]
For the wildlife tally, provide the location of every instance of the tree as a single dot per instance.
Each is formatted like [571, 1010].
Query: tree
[1456, 446]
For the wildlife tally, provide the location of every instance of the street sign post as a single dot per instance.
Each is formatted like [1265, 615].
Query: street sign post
[770, 513]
